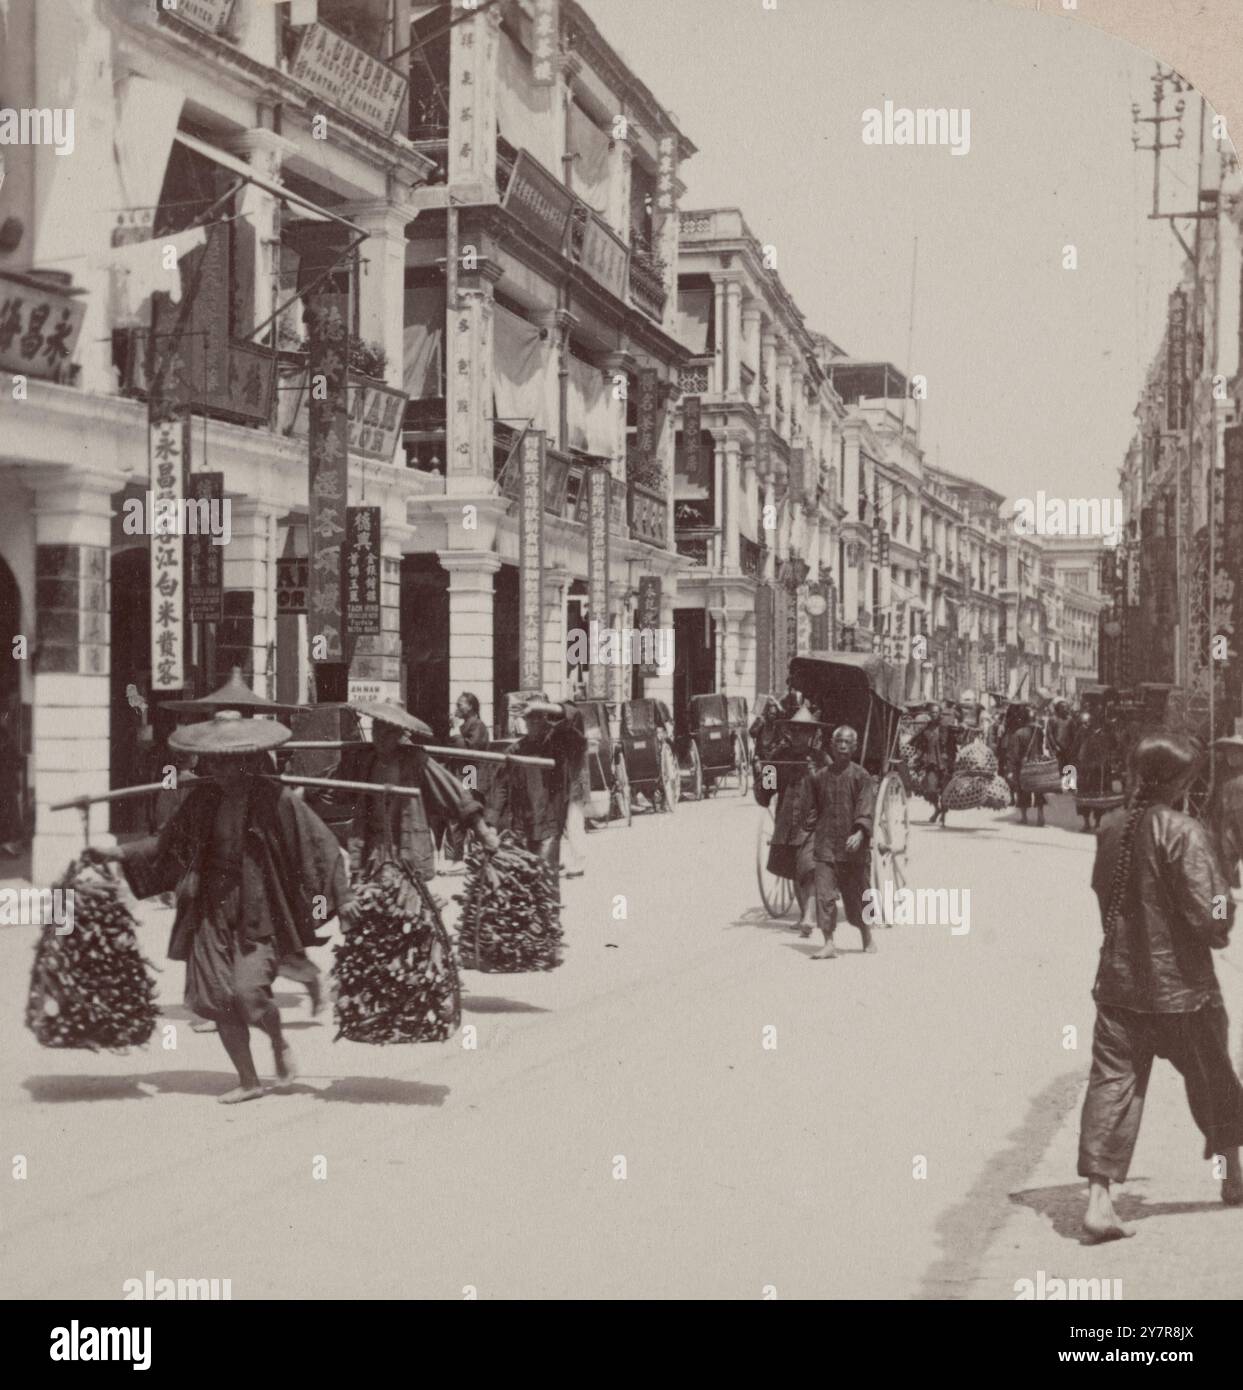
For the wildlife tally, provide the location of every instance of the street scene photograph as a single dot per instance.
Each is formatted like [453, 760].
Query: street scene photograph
[621, 663]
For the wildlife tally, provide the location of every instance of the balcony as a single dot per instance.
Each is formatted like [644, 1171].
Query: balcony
[649, 516]
[698, 545]
[695, 379]
[647, 283]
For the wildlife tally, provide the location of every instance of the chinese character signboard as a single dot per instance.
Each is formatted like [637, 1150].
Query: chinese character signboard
[209, 15]
[168, 457]
[204, 556]
[362, 571]
[329, 473]
[538, 201]
[544, 25]
[666, 173]
[292, 578]
[39, 327]
[649, 614]
[605, 256]
[1176, 360]
[1228, 581]
[531, 562]
[692, 451]
[647, 407]
[598, 492]
[350, 78]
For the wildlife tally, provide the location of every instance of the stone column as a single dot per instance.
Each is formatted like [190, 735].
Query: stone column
[733, 512]
[621, 158]
[749, 495]
[720, 329]
[71, 647]
[472, 101]
[379, 658]
[768, 350]
[850, 479]
[785, 362]
[382, 279]
[468, 372]
[264, 151]
[250, 568]
[850, 583]
[660, 685]
[722, 500]
[556, 586]
[751, 315]
[768, 534]
[621, 603]
[733, 338]
[556, 324]
[471, 575]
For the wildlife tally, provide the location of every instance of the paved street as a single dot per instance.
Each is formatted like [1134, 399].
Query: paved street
[745, 1166]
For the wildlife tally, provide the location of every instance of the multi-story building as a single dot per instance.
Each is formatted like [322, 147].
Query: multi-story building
[759, 482]
[1076, 563]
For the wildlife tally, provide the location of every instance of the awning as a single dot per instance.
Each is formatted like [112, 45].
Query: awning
[244, 171]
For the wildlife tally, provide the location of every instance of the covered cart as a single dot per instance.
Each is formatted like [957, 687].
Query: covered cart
[713, 751]
[647, 747]
[606, 762]
[865, 692]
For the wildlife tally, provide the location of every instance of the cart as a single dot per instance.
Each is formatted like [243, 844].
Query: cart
[609, 800]
[866, 693]
[648, 754]
[713, 752]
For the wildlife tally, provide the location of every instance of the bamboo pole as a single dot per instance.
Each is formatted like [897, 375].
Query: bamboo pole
[375, 788]
[468, 755]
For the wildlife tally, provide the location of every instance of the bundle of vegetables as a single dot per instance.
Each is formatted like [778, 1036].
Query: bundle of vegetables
[394, 974]
[91, 987]
[976, 756]
[511, 911]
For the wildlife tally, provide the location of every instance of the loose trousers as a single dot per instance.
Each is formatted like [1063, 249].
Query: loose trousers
[1123, 1046]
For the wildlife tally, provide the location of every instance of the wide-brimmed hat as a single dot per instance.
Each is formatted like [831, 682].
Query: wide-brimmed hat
[1229, 741]
[226, 732]
[233, 694]
[803, 715]
[393, 715]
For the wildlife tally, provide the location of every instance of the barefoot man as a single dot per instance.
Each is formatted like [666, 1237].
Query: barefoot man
[843, 796]
[255, 871]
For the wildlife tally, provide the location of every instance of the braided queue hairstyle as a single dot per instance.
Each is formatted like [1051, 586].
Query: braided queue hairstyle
[1160, 764]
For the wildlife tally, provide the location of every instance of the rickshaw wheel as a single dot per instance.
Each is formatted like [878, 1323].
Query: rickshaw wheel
[670, 778]
[890, 829]
[695, 773]
[742, 765]
[776, 893]
[621, 789]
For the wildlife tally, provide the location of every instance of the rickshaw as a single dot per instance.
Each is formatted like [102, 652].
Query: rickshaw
[865, 692]
[650, 760]
[606, 762]
[712, 752]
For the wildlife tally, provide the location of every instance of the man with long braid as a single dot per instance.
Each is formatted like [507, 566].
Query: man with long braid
[1165, 906]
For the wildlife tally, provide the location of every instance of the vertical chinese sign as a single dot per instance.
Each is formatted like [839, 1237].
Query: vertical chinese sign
[329, 473]
[168, 438]
[362, 571]
[647, 406]
[545, 23]
[531, 562]
[692, 465]
[1228, 581]
[649, 619]
[1176, 361]
[598, 480]
[204, 556]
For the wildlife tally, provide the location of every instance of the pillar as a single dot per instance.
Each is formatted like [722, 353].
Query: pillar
[751, 315]
[733, 511]
[473, 43]
[72, 694]
[471, 575]
[785, 362]
[733, 338]
[621, 158]
[264, 151]
[382, 279]
[469, 369]
[768, 359]
[720, 356]
[556, 587]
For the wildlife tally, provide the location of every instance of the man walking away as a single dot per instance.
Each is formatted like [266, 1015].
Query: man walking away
[1164, 909]
[469, 731]
[842, 801]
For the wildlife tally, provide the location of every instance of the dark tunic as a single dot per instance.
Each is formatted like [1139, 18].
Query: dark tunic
[253, 882]
[794, 806]
[841, 803]
[532, 801]
[410, 818]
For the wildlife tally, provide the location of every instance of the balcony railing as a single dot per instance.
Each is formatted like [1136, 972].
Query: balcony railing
[695, 379]
[649, 516]
[647, 285]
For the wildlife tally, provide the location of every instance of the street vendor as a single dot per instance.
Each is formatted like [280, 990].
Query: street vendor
[400, 826]
[533, 802]
[784, 770]
[934, 747]
[1094, 754]
[842, 800]
[255, 870]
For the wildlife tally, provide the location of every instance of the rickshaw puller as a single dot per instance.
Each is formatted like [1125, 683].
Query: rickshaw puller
[843, 799]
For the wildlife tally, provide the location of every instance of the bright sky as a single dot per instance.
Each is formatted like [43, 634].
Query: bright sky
[1033, 370]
